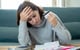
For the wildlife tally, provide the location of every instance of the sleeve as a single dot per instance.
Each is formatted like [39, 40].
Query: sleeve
[23, 36]
[62, 32]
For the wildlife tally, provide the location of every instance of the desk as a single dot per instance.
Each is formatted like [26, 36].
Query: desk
[76, 45]
[6, 47]
[32, 47]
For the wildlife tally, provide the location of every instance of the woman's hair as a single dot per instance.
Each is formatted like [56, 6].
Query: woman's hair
[33, 6]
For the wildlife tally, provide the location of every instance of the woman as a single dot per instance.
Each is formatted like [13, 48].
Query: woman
[34, 28]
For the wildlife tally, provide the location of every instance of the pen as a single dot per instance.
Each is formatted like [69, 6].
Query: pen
[45, 14]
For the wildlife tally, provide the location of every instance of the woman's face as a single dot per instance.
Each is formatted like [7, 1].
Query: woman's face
[35, 19]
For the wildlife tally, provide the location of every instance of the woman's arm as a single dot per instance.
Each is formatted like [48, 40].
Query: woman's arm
[23, 36]
[23, 30]
[61, 31]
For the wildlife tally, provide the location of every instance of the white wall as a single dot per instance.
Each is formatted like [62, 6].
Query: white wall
[54, 3]
[72, 3]
[67, 3]
[0, 2]
[27, 0]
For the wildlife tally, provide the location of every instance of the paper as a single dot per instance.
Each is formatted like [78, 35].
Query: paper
[48, 46]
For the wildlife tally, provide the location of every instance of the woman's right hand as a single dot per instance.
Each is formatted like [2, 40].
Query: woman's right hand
[26, 13]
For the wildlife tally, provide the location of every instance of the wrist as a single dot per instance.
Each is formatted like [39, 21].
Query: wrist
[23, 20]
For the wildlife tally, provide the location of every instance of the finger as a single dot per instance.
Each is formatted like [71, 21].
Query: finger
[25, 9]
[30, 14]
[27, 12]
[51, 14]
[30, 10]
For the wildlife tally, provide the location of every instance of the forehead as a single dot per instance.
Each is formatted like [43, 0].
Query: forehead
[34, 13]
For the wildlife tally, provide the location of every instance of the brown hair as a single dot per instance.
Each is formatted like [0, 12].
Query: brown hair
[33, 6]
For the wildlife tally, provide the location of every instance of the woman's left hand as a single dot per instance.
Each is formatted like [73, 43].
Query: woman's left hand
[52, 19]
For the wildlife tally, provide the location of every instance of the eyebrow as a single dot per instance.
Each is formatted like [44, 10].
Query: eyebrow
[30, 18]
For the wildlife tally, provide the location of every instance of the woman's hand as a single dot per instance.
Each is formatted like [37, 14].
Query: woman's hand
[52, 19]
[26, 13]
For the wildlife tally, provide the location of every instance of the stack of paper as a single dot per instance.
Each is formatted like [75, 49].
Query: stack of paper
[48, 46]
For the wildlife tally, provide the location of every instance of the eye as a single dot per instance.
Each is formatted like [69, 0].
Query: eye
[29, 19]
[34, 16]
